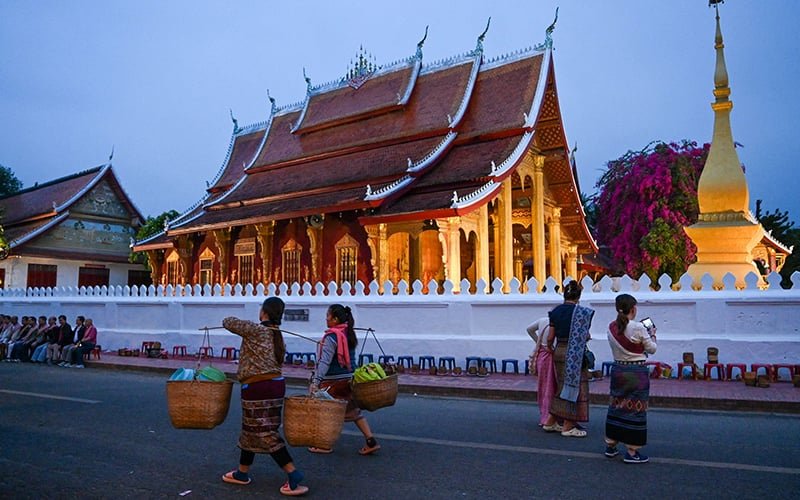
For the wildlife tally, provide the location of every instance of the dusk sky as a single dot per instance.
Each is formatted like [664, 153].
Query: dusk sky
[155, 79]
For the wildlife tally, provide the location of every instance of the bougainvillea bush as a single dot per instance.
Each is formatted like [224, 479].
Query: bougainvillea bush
[644, 200]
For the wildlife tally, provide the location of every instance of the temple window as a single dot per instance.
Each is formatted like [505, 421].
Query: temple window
[245, 252]
[290, 254]
[206, 267]
[346, 259]
[172, 268]
[42, 275]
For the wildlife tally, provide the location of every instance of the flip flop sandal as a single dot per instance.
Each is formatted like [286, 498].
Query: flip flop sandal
[228, 478]
[369, 450]
[552, 428]
[289, 492]
[574, 432]
[322, 451]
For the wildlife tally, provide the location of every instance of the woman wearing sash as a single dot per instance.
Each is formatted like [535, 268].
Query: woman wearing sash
[569, 333]
[263, 389]
[630, 343]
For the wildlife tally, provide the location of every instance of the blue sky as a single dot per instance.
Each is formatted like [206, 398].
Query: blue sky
[156, 79]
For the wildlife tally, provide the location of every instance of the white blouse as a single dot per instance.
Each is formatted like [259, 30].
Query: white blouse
[636, 333]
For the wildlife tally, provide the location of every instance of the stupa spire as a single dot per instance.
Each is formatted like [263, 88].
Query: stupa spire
[722, 187]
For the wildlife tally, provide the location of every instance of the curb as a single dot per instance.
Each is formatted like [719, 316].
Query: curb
[659, 402]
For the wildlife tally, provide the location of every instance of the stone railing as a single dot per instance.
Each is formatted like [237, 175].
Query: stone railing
[755, 324]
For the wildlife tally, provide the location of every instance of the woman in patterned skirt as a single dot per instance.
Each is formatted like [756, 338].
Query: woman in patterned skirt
[263, 389]
[630, 343]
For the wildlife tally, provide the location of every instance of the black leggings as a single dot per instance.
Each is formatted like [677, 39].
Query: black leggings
[281, 457]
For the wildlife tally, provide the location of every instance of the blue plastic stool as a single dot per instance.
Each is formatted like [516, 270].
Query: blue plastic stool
[470, 359]
[426, 362]
[291, 355]
[607, 368]
[363, 356]
[512, 362]
[309, 356]
[450, 361]
[406, 361]
[490, 364]
[385, 359]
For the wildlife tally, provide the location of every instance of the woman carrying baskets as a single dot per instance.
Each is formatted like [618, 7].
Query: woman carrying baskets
[336, 356]
[263, 390]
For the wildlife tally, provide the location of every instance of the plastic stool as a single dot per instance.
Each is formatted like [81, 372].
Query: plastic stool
[757, 366]
[95, 351]
[512, 362]
[607, 368]
[406, 361]
[658, 368]
[291, 355]
[527, 367]
[729, 370]
[430, 361]
[681, 366]
[179, 350]
[309, 356]
[205, 350]
[778, 366]
[363, 356]
[385, 359]
[470, 359]
[147, 345]
[492, 364]
[447, 361]
[228, 353]
[707, 367]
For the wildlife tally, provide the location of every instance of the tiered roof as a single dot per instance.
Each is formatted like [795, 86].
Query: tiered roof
[405, 142]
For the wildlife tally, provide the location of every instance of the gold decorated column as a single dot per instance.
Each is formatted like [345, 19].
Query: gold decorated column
[155, 259]
[555, 245]
[537, 221]
[452, 266]
[506, 235]
[572, 261]
[265, 234]
[222, 238]
[482, 253]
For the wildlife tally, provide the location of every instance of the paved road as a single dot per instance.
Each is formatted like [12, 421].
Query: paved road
[106, 434]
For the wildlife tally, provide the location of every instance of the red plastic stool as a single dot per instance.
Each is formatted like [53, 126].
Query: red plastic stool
[710, 366]
[729, 370]
[757, 366]
[146, 345]
[205, 350]
[228, 353]
[179, 350]
[778, 366]
[690, 365]
[658, 367]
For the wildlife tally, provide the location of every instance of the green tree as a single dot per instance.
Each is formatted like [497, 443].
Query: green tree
[151, 227]
[9, 184]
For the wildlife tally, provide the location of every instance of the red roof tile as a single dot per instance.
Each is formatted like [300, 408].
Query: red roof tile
[245, 148]
[39, 200]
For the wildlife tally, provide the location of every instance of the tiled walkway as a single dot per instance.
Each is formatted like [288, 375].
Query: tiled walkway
[780, 397]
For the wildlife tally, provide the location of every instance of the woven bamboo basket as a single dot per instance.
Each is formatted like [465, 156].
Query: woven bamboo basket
[198, 404]
[313, 422]
[376, 394]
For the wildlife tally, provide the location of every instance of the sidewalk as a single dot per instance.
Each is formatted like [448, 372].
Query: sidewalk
[780, 397]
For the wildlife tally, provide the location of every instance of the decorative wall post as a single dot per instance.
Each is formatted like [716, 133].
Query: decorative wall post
[265, 234]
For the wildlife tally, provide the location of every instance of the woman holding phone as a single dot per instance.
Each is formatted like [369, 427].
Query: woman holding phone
[631, 341]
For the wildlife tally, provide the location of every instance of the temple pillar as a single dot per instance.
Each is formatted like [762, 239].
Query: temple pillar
[377, 240]
[572, 261]
[155, 259]
[315, 250]
[452, 257]
[537, 221]
[555, 245]
[482, 252]
[506, 235]
[222, 238]
[265, 232]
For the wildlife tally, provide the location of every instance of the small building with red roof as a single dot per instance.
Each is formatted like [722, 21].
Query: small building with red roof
[458, 169]
[72, 231]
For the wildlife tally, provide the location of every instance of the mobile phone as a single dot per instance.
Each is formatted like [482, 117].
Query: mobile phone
[648, 323]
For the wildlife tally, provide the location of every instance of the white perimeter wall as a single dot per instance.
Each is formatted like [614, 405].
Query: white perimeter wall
[747, 325]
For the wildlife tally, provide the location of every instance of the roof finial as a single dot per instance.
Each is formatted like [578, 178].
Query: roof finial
[548, 33]
[307, 79]
[421, 43]
[479, 46]
[273, 106]
[235, 122]
[111, 156]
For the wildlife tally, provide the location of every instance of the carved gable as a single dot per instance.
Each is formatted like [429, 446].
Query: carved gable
[101, 200]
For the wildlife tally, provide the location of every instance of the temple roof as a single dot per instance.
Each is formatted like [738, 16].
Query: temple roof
[31, 211]
[397, 143]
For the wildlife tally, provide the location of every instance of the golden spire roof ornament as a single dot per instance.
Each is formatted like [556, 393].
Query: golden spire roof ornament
[363, 67]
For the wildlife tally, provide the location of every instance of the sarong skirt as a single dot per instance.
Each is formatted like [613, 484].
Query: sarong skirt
[627, 408]
[262, 406]
[561, 408]
[340, 389]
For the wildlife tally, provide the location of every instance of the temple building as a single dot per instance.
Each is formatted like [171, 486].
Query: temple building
[453, 170]
[72, 231]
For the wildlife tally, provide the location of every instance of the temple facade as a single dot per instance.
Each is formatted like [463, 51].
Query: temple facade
[72, 231]
[458, 169]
